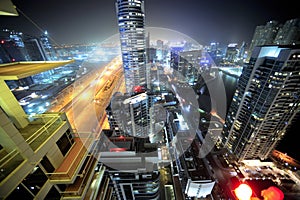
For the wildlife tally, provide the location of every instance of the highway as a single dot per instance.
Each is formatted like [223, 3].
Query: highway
[81, 105]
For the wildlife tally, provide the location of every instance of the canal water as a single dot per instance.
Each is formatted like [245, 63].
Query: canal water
[222, 82]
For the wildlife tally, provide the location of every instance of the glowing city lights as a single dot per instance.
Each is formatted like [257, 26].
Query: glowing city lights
[243, 192]
[272, 193]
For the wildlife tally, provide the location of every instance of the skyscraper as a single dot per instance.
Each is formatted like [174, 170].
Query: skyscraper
[276, 33]
[265, 102]
[264, 35]
[13, 46]
[41, 158]
[47, 46]
[35, 49]
[289, 33]
[131, 16]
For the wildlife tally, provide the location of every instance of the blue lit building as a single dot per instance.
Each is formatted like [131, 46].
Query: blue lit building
[189, 65]
[231, 54]
[265, 103]
[35, 49]
[47, 46]
[131, 16]
[12, 47]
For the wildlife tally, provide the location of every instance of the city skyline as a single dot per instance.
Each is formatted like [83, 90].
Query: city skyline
[167, 119]
[209, 21]
[282, 145]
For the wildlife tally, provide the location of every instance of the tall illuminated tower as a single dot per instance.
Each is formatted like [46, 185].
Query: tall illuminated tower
[47, 46]
[131, 17]
[265, 103]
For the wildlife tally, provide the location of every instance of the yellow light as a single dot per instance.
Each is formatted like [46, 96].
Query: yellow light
[243, 192]
[86, 95]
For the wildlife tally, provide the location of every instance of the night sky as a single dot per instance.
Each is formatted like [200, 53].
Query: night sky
[74, 21]
[224, 21]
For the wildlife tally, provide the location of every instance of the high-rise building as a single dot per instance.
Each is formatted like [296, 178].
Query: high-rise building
[131, 166]
[35, 49]
[131, 17]
[47, 46]
[12, 45]
[275, 33]
[215, 52]
[175, 51]
[289, 33]
[41, 156]
[189, 65]
[242, 51]
[264, 35]
[130, 114]
[16, 46]
[231, 53]
[265, 102]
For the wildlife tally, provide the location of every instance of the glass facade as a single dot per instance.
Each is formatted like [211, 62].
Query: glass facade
[265, 102]
[131, 16]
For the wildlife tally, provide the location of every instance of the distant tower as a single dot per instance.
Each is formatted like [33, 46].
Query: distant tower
[47, 46]
[131, 16]
[12, 45]
[264, 35]
[35, 49]
[265, 102]
[189, 65]
[231, 53]
[242, 51]
[289, 33]
[274, 33]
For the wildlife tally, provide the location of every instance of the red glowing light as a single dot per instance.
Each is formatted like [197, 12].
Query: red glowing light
[138, 89]
[121, 137]
[243, 192]
[117, 149]
[272, 193]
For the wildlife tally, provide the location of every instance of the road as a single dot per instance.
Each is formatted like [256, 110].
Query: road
[83, 112]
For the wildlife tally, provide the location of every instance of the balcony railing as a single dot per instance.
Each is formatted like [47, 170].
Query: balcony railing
[70, 165]
[40, 128]
[82, 182]
[9, 163]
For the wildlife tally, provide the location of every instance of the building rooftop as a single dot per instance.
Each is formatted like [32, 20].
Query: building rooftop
[19, 70]
[7, 8]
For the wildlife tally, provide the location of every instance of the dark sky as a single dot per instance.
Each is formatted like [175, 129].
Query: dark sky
[224, 21]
